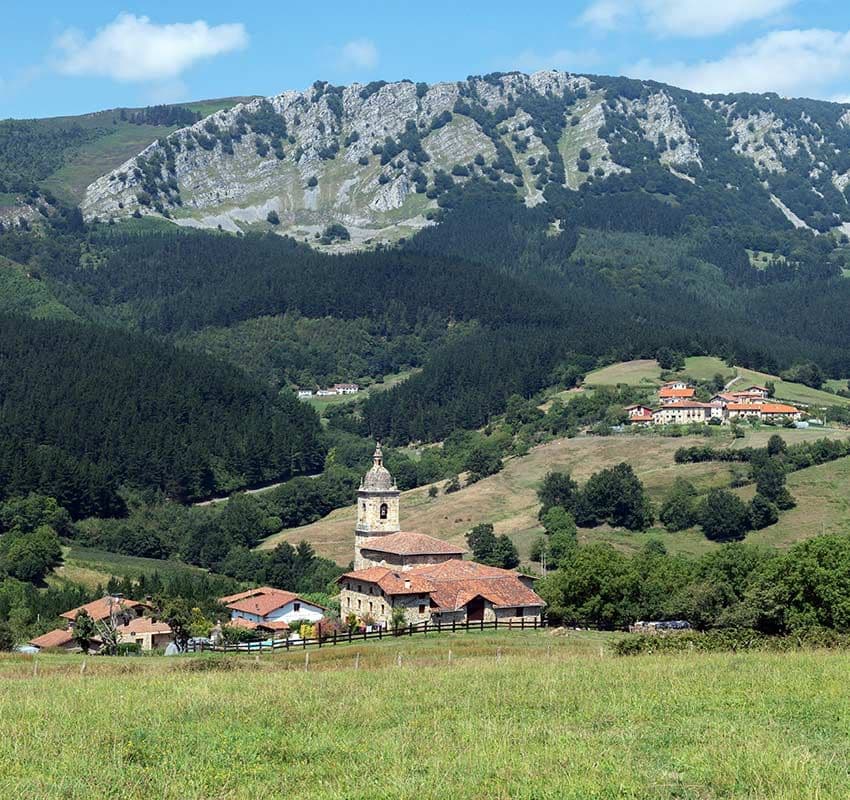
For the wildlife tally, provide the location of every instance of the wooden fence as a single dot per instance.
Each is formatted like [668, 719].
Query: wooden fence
[349, 637]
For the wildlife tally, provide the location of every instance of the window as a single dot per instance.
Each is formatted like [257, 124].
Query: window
[421, 608]
[384, 510]
[348, 601]
[519, 611]
[296, 606]
[370, 607]
[358, 602]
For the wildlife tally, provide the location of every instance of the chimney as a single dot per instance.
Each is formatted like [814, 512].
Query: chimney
[407, 583]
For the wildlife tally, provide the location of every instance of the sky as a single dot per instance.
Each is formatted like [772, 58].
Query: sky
[72, 58]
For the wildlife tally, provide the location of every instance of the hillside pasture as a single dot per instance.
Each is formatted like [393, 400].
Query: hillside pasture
[508, 500]
[512, 716]
[641, 372]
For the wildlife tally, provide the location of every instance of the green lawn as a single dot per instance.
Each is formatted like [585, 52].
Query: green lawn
[548, 717]
[321, 403]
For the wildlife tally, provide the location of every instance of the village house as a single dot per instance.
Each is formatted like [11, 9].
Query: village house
[678, 406]
[270, 608]
[346, 388]
[145, 632]
[108, 606]
[423, 575]
[62, 639]
[305, 394]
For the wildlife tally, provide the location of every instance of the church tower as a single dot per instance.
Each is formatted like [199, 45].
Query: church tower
[377, 505]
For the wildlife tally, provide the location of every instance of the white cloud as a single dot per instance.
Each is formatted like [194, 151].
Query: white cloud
[564, 59]
[788, 62]
[682, 17]
[358, 54]
[133, 48]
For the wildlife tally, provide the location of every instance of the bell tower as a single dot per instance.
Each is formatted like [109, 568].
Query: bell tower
[377, 504]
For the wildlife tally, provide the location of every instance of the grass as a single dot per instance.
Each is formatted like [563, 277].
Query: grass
[20, 294]
[321, 403]
[567, 722]
[95, 567]
[642, 372]
[508, 500]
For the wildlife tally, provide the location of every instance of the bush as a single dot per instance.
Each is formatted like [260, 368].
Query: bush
[762, 512]
[678, 511]
[273, 218]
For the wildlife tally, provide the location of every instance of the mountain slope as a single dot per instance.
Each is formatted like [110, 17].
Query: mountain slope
[376, 159]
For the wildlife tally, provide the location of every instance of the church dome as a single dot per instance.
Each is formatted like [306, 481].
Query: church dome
[378, 478]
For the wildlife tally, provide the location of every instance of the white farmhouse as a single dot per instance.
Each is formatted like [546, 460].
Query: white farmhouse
[266, 605]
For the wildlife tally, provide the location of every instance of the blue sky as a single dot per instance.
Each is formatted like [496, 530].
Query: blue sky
[68, 58]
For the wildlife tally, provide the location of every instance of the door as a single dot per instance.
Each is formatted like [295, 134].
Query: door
[475, 609]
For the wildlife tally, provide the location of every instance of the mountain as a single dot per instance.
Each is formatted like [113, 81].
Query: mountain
[353, 166]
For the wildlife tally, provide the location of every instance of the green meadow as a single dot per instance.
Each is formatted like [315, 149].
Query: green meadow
[511, 715]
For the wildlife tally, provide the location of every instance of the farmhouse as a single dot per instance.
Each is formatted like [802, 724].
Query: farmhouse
[62, 639]
[147, 633]
[346, 388]
[424, 576]
[108, 606]
[678, 406]
[270, 608]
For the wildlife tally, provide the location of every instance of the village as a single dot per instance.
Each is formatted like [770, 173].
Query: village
[677, 405]
[401, 579]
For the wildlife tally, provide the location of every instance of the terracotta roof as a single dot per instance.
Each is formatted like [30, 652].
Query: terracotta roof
[411, 544]
[668, 392]
[755, 407]
[778, 408]
[232, 598]
[277, 625]
[100, 609]
[452, 584]
[755, 386]
[58, 638]
[264, 603]
[637, 405]
[144, 625]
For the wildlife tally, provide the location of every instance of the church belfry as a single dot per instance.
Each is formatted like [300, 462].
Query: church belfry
[377, 503]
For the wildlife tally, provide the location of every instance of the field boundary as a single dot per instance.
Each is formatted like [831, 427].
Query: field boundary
[351, 637]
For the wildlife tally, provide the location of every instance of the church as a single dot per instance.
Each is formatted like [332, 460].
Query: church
[426, 577]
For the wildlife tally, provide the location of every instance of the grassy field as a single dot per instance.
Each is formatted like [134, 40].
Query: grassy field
[321, 403]
[508, 500]
[553, 717]
[643, 372]
[95, 567]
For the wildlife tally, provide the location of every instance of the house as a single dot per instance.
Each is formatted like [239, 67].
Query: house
[745, 410]
[267, 605]
[678, 384]
[145, 632]
[639, 414]
[123, 609]
[420, 574]
[671, 395]
[684, 412]
[62, 639]
[346, 388]
[758, 391]
[453, 590]
[273, 629]
[780, 412]
[326, 393]
[305, 394]
[747, 397]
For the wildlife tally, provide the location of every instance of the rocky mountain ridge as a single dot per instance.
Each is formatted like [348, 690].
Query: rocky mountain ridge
[352, 166]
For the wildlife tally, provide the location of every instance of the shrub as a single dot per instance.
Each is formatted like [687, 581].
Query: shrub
[678, 510]
[723, 516]
[273, 218]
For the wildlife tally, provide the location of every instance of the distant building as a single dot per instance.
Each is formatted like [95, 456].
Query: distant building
[683, 412]
[145, 632]
[266, 605]
[639, 414]
[674, 395]
[62, 639]
[121, 608]
[326, 393]
[424, 576]
[305, 394]
[346, 388]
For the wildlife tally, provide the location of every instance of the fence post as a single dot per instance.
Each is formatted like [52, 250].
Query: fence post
[286, 645]
[496, 623]
[409, 631]
[364, 633]
[426, 627]
[349, 635]
[334, 637]
[380, 633]
[439, 626]
[482, 622]
[522, 623]
[454, 624]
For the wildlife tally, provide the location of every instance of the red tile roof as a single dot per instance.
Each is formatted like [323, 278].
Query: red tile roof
[263, 604]
[100, 609]
[232, 598]
[452, 584]
[684, 404]
[778, 408]
[755, 407]
[411, 544]
[240, 622]
[665, 392]
[58, 638]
